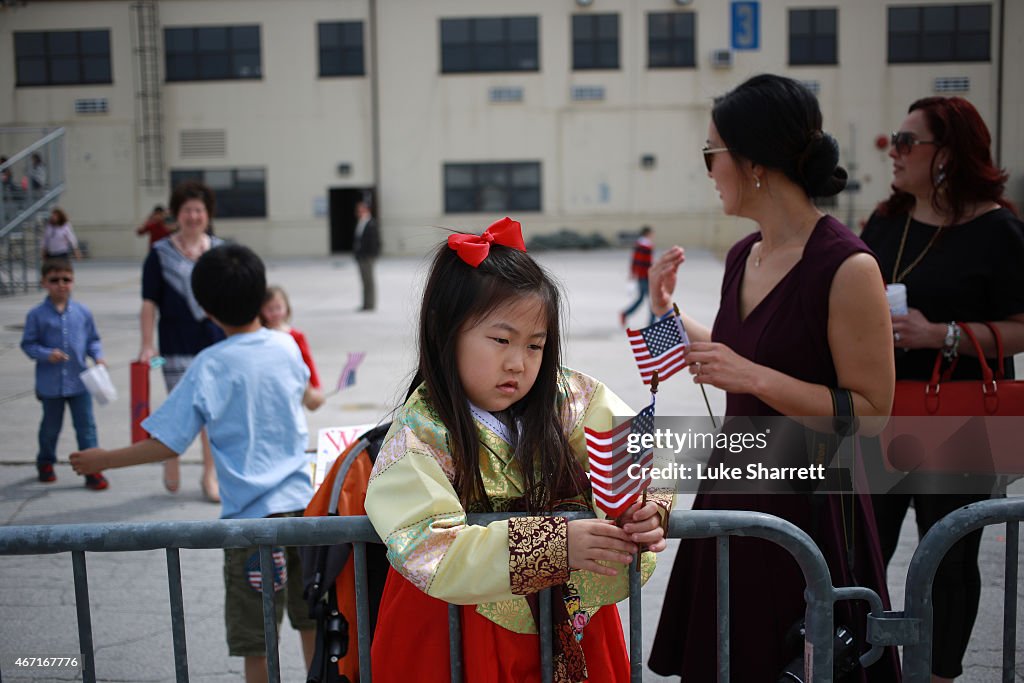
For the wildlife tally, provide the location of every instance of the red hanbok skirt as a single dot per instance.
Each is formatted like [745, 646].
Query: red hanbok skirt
[411, 643]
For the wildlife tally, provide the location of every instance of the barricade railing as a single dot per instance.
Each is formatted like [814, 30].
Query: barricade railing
[912, 628]
[266, 533]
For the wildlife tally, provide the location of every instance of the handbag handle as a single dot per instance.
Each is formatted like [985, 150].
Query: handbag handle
[1000, 369]
[987, 376]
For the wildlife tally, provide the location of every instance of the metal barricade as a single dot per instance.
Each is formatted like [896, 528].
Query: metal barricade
[266, 533]
[912, 628]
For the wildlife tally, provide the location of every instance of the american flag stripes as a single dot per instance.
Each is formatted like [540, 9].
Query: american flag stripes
[255, 576]
[617, 485]
[660, 347]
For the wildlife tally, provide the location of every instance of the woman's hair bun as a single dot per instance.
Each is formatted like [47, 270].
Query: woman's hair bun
[818, 167]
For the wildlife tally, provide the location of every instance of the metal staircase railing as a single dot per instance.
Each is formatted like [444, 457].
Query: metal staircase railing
[146, 49]
[25, 202]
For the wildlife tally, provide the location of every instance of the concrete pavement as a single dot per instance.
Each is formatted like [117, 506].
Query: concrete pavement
[128, 591]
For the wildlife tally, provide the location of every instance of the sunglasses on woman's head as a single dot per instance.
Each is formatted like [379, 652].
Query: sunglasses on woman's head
[903, 141]
[709, 153]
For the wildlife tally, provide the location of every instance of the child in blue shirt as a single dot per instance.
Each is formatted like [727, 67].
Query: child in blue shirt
[59, 335]
[247, 392]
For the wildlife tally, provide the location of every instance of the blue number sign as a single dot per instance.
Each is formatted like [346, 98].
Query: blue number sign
[746, 26]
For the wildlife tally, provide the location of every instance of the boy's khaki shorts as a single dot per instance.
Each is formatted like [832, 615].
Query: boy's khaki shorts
[243, 601]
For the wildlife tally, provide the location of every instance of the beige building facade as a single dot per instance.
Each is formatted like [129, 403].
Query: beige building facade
[579, 114]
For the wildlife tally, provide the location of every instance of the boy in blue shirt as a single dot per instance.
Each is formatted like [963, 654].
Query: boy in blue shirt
[59, 335]
[247, 391]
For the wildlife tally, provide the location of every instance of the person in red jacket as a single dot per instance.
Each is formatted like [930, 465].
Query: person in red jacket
[155, 225]
[643, 256]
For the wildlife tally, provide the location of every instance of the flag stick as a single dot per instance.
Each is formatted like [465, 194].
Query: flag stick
[707, 403]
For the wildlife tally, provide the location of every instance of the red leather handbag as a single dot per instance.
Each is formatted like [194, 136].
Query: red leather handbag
[964, 426]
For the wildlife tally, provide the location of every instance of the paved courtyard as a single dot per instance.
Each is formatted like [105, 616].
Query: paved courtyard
[128, 591]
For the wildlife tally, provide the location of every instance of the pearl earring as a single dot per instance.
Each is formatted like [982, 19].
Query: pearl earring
[757, 182]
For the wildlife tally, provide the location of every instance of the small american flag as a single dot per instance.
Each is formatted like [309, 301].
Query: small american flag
[348, 373]
[255, 576]
[660, 347]
[610, 463]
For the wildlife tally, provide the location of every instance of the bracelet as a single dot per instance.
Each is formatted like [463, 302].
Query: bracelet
[951, 345]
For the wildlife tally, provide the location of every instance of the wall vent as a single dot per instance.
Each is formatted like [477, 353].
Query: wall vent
[92, 105]
[721, 59]
[505, 94]
[203, 143]
[813, 86]
[586, 93]
[952, 84]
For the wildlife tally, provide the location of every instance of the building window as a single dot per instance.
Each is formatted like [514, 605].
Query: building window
[492, 187]
[595, 41]
[240, 192]
[62, 57]
[812, 36]
[489, 44]
[212, 53]
[341, 48]
[940, 33]
[670, 40]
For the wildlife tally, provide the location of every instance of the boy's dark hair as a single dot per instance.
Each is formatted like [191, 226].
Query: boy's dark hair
[229, 282]
[456, 294]
[646, 230]
[55, 264]
[775, 121]
[160, 208]
[192, 189]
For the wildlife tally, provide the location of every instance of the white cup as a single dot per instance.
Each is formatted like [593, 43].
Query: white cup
[97, 381]
[897, 296]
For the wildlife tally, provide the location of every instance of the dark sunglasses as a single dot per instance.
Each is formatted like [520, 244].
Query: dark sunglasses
[709, 155]
[903, 141]
[63, 280]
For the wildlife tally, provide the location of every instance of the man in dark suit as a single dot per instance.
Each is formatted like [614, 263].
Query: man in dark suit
[366, 247]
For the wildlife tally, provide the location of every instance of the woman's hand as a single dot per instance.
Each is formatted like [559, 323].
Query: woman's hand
[914, 331]
[718, 365]
[643, 524]
[147, 353]
[662, 279]
[591, 540]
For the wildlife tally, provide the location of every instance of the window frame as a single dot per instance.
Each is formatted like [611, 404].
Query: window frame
[197, 53]
[50, 54]
[672, 40]
[227, 200]
[353, 69]
[594, 42]
[476, 48]
[813, 35]
[950, 38]
[455, 197]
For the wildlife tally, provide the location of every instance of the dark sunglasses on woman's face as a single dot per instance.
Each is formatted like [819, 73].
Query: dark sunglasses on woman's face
[903, 141]
[709, 155]
[59, 280]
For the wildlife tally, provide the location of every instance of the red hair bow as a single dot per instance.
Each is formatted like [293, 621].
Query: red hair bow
[473, 249]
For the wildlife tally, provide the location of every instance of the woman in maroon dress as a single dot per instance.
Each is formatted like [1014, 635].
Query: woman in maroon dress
[803, 311]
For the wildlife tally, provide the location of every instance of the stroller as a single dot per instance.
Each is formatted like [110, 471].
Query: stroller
[328, 571]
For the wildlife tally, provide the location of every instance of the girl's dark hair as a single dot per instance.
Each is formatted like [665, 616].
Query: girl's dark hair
[457, 295]
[62, 217]
[776, 122]
[192, 189]
[970, 174]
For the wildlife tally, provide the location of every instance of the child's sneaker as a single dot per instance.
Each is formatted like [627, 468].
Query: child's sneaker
[46, 473]
[96, 482]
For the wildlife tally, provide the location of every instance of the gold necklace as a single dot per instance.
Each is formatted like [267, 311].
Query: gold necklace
[899, 254]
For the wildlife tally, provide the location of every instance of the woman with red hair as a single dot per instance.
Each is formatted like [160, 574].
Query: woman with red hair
[952, 238]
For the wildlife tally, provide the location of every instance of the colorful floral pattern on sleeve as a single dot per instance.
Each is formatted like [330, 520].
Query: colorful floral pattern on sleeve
[538, 553]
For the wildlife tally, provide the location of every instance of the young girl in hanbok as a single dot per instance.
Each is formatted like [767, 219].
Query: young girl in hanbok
[494, 423]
